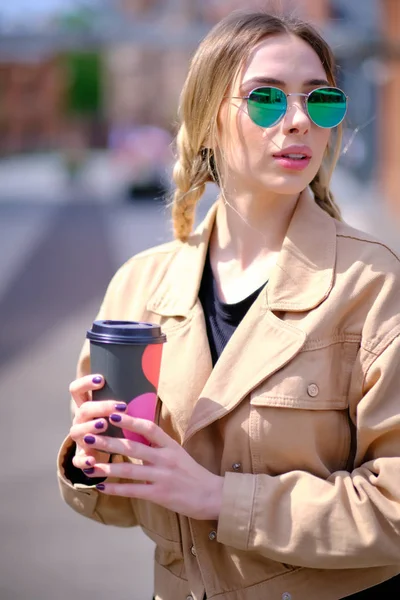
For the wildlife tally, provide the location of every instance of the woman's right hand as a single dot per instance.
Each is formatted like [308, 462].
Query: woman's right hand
[89, 418]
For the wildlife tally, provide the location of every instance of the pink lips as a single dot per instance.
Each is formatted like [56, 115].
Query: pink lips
[295, 158]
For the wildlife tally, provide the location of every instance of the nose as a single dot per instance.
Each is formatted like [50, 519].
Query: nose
[296, 119]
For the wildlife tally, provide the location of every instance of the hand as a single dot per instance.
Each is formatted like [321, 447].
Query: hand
[169, 476]
[88, 419]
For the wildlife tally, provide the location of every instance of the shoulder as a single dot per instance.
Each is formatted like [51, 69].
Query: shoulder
[354, 245]
[136, 280]
[368, 275]
[150, 262]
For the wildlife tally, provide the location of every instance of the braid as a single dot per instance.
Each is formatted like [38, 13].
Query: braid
[190, 174]
[324, 197]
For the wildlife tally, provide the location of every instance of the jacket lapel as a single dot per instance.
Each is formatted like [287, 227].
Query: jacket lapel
[186, 361]
[186, 367]
[263, 343]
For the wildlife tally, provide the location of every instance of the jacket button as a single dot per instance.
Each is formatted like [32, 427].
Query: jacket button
[312, 390]
[212, 536]
[286, 596]
[193, 551]
[236, 466]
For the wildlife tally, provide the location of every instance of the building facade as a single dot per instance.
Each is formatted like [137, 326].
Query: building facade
[143, 81]
[31, 105]
[145, 59]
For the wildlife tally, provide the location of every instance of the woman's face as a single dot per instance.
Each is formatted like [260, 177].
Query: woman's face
[250, 161]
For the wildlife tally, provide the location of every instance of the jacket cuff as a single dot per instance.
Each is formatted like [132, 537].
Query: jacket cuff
[236, 512]
[82, 498]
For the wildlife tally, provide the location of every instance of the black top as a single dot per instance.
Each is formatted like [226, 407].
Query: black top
[221, 321]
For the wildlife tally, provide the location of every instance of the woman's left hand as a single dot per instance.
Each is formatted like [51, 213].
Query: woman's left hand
[169, 476]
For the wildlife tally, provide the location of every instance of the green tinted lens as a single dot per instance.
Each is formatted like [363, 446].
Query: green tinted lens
[327, 107]
[266, 106]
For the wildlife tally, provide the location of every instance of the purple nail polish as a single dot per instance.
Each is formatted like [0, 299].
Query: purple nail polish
[99, 424]
[88, 463]
[101, 487]
[115, 418]
[89, 439]
[120, 407]
[96, 379]
[88, 471]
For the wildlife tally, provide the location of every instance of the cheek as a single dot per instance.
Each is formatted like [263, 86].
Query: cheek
[250, 139]
[241, 139]
[322, 138]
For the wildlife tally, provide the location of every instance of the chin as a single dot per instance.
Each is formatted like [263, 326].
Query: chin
[287, 186]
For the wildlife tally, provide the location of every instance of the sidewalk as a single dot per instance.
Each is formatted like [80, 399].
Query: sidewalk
[43, 178]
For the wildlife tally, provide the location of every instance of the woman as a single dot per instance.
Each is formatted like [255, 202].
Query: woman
[274, 466]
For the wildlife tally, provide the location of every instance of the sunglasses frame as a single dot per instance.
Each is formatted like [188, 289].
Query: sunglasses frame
[305, 102]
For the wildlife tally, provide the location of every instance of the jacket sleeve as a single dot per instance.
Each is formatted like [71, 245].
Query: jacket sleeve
[351, 519]
[86, 500]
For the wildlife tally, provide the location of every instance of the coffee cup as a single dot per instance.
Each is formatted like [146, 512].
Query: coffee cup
[128, 355]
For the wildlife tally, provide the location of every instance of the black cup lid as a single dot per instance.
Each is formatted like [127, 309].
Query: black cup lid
[125, 332]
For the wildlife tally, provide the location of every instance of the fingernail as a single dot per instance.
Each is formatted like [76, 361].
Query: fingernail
[115, 418]
[99, 424]
[101, 487]
[88, 463]
[97, 379]
[88, 471]
[120, 407]
[89, 439]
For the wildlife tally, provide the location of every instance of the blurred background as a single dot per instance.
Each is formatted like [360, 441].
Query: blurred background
[88, 110]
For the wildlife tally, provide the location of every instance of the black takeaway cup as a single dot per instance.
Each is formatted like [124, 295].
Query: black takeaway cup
[128, 355]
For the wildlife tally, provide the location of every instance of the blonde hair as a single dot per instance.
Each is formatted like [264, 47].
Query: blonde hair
[213, 68]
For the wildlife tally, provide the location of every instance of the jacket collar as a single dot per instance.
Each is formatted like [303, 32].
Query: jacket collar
[177, 293]
[304, 273]
[300, 281]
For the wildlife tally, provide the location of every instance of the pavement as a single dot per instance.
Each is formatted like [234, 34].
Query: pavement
[57, 253]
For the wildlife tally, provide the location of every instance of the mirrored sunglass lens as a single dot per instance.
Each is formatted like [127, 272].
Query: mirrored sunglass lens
[327, 107]
[266, 106]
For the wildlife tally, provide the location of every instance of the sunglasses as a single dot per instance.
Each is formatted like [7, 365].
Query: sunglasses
[326, 106]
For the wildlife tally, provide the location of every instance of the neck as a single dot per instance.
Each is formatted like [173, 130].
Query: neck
[247, 229]
[246, 241]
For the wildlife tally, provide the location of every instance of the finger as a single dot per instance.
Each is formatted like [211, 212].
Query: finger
[125, 470]
[81, 388]
[94, 410]
[85, 460]
[120, 446]
[148, 429]
[78, 430]
[142, 491]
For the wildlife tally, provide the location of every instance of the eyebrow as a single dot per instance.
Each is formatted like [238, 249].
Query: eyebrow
[272, 81]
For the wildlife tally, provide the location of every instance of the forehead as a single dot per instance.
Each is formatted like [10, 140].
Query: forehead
[285, 57]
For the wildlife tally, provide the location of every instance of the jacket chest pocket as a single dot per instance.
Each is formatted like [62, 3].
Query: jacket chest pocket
[299, 415]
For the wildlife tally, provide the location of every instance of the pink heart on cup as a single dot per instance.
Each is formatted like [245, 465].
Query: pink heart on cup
[143, 407]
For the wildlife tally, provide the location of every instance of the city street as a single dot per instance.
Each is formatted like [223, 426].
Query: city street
[55, 263]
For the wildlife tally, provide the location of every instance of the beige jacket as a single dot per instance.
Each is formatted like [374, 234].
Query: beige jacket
[301, 415]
